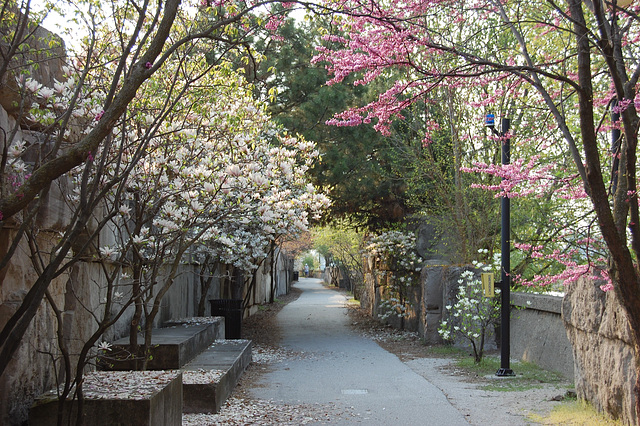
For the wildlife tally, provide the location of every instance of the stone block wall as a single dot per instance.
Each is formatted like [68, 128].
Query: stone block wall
[605, 372]
[31, 371]
[260, 293]
[437, 288]
[537, 330]
[79, 293]
[538, 334]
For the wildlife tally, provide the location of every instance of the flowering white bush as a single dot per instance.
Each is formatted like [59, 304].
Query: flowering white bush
[471, 316]
[398, 269]
[214, 176]
[196, 165]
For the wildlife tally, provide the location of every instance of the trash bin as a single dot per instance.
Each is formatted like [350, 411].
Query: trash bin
[296, 275]
[231, 310]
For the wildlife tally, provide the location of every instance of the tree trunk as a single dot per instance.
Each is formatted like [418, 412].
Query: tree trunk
[205, 283]
[272, 296]
[623, 271]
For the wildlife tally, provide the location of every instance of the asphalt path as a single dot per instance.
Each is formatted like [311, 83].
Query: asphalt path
[338, 367]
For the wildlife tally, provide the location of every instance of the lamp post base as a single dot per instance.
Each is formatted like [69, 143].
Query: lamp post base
[505, 372]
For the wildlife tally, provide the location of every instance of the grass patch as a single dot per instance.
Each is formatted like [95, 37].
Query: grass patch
[575, 413]
[446, 351]
[528, 375]
[353, 302]
[268, 306]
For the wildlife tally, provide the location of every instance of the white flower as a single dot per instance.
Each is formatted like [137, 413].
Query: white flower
[16, 149]
[124, 210]
[59, 87]
[105, 346]
[107, 251]
[19, 167]
[209, 187]
[46, 92]
[234, 170]
[138, 239]
[258, 179]
[32, 85]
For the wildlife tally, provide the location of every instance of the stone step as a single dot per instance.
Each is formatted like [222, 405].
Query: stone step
[172, 347]
[210, 378]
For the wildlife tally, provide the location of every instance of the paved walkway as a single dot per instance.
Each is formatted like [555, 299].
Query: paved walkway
[346, 370]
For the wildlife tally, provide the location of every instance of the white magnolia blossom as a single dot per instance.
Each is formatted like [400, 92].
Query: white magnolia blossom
[211, 175]
[104, 346]
[107, 251]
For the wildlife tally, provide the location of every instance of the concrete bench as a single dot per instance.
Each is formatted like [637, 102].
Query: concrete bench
[211, 377]
[113, 398]
[172, 347]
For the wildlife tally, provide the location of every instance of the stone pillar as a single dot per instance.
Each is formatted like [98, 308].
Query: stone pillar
[432, 303]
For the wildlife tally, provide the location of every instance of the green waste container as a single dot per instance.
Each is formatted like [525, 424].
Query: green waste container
[231, 310]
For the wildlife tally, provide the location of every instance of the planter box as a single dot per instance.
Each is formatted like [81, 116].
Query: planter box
[212, 376]
[171, 347]
[119, 398]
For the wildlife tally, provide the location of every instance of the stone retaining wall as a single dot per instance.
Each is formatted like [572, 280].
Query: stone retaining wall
[538, 334]
[605, 372]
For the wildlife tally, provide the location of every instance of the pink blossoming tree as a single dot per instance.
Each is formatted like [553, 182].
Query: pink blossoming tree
[561, 68]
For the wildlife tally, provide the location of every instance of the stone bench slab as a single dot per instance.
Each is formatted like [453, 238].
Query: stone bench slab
[228, 358]
[172, 347]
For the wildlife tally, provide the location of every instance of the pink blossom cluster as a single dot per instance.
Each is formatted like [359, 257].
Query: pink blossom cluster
[531, 177]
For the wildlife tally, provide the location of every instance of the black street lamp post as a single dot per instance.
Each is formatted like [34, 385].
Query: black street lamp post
[505, 246]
